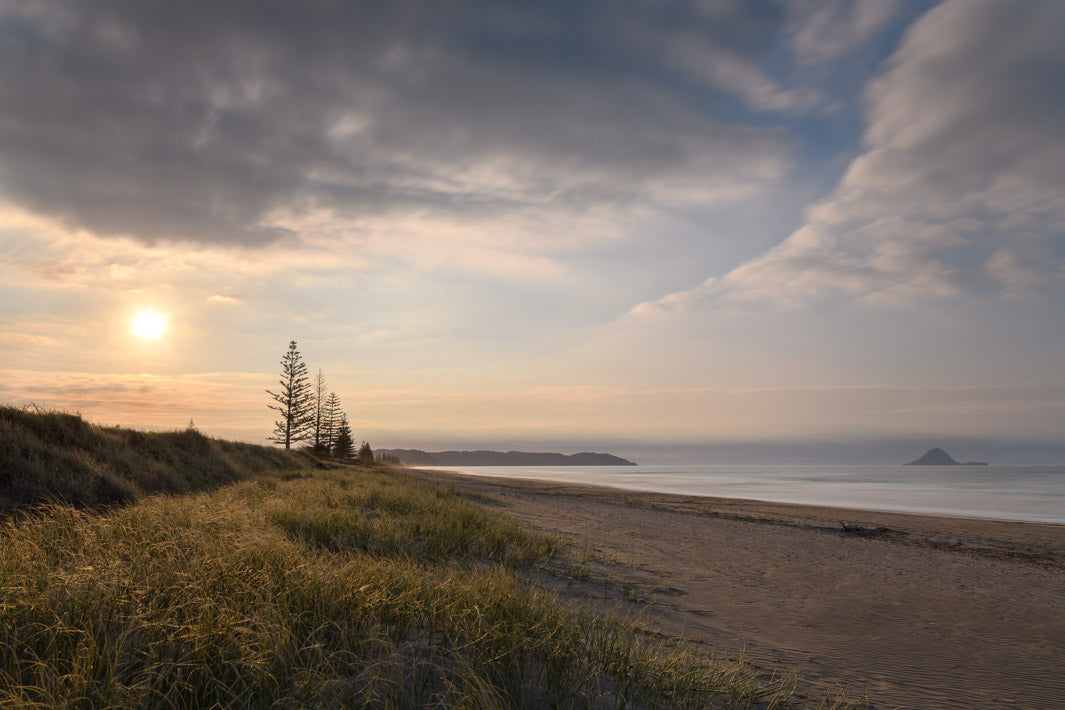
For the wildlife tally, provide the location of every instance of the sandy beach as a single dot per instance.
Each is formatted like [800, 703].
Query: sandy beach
[914, 611]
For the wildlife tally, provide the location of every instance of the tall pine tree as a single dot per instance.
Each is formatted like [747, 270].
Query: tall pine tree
[293, 400]
[343, 444]
[365, 454]
[319, 413]
[331, 414]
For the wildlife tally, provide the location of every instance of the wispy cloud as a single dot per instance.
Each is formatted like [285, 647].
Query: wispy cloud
[216, 401]
[958, 193]
[823, 30]
[17, 339]
[223, 299]
[705, 414]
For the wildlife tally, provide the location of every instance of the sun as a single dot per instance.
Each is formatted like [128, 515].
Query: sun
[148, 324]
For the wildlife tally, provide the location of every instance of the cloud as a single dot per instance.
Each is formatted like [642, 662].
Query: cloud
[1025, 410]
[823, 30]
[215, 400]
[959, 190]
[718, 67]
[225, 404]
[15, 339]
[167, 122]
[223, 299]
[41, 252]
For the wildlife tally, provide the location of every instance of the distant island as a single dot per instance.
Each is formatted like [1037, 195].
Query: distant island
[939, 457]
[416, 457]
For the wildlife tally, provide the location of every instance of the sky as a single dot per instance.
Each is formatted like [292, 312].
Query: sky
[678, 230]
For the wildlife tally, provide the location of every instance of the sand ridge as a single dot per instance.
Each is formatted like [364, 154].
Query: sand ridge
[915, 611]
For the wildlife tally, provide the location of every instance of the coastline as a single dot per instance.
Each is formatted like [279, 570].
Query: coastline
[913, 610]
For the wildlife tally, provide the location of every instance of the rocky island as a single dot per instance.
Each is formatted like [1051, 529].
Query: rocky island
[939, 457]
[416, 457]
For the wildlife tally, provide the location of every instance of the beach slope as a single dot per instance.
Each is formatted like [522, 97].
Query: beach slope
[915, 611]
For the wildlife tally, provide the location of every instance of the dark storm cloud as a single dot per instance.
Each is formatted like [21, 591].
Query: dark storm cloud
[200, 120]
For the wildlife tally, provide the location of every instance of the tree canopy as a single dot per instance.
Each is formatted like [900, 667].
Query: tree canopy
[343, 445]
[292, 401]
[309, 415]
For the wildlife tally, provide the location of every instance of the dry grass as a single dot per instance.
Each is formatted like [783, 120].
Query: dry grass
[347, 587]
[59, 457]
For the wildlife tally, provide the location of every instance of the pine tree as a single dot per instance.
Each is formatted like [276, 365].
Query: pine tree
[319, 397]
[331, 414]
[293, 400]
[365, 453]
[343, 444]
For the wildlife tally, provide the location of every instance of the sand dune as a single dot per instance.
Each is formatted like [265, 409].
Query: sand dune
[915, 611]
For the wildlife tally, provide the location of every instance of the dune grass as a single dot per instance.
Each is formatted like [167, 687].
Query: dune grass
[349, 588]
[60, 457]
[302, 587]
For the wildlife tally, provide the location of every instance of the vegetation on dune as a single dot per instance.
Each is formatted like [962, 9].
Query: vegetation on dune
[350, 586]
[55, 456]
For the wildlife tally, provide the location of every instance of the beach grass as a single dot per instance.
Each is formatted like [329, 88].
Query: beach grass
[57, 456]
[321, 587]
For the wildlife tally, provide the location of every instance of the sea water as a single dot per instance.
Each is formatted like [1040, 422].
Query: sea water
[1032, 493]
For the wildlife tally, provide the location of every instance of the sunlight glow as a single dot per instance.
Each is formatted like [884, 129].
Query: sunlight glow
[148, 324]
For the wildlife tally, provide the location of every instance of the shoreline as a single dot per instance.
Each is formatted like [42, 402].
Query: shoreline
[1030, 540]
[851, 500]
[913, 610]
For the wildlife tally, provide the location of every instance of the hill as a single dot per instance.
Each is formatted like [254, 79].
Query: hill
[416, 457]
[55, 456]
[939, 457]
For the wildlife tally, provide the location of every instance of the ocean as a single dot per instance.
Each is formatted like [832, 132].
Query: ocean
[1031, 493]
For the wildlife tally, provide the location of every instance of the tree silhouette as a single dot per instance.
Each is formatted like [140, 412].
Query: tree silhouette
[331, 414]
[365, 453]
[293, 400]
[319, 410]
[343, 444]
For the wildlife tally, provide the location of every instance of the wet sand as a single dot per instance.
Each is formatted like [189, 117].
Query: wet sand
[914, 611]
